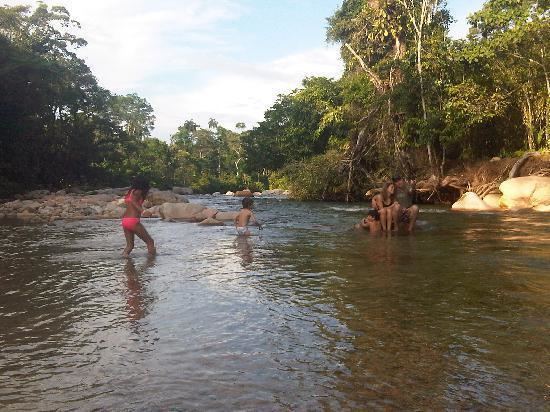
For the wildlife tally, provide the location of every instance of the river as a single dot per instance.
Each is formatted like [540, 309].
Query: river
[307, 314]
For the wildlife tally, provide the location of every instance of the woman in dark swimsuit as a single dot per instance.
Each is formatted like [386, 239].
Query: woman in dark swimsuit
[386, 205]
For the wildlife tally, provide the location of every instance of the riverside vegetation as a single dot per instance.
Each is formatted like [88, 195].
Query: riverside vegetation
[411, 101]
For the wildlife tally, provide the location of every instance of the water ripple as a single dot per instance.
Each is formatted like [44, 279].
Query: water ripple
[306, 314]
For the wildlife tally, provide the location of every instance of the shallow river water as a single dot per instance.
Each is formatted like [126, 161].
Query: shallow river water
[305, 315]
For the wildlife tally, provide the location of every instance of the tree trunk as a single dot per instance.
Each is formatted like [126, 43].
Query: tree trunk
[514, 172]
[442, 165]
[547, 102]
[427, 8]
[375, 79]
[528, 120]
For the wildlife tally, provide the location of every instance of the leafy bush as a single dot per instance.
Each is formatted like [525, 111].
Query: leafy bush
[316, 178]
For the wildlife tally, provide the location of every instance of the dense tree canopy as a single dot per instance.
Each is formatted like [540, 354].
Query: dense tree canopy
[407, 86]
[410, 101]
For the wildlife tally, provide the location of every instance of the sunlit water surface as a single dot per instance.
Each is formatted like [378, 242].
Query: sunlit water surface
[307, 314]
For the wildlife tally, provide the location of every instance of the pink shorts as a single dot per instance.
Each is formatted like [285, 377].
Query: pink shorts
[130, 223]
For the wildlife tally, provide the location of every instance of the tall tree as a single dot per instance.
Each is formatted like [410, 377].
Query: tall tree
[510, 39]
[134, 114]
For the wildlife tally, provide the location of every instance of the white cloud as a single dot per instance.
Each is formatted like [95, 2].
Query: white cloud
[242, 92]
[175, 54]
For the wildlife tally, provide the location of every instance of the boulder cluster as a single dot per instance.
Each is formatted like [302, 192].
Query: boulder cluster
[42, 206]
[527, 192]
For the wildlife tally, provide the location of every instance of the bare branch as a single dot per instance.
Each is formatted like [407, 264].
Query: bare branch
[378, 83]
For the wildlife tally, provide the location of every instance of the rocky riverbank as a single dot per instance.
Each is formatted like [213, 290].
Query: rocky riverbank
[528, 192]
[495, 184]
[42, 206]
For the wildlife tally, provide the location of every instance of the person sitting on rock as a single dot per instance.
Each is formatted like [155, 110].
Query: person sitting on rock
[371, 222]
[244, 217]
[404, 194]
[386, 204]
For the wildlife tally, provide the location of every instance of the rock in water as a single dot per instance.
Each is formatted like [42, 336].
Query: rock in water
[205, 214]
[185, 211]
[526, 192]
[211, 222]
[243, 193]
[470, 201]
[226, 216]
[182, 190]
[166, 196]
[493, 200]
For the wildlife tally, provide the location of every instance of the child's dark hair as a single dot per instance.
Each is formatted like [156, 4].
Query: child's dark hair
[140, 183]
[247, 202]
[374, 214]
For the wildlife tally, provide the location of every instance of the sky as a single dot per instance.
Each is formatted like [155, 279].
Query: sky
[202, 59]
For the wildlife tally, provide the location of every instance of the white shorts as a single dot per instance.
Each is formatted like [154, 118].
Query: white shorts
[242, 230]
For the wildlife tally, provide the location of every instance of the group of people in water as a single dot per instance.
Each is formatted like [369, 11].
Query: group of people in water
[390, 209]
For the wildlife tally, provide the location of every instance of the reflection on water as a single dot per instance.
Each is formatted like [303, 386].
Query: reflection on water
[310, 315]
[243, 244]
[136, 300]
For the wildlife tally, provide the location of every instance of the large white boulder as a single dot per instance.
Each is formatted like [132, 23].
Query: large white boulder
[159, 197]
[493, 200]
[226, 216]
[470, 201]
[184, 211]
[526, 192]
[114, 210]
[206, 213]
[151, 212]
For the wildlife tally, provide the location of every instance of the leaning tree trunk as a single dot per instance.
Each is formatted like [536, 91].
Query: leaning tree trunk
[514, 172]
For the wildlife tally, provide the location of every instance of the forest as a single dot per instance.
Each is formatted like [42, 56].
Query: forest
[412, 101]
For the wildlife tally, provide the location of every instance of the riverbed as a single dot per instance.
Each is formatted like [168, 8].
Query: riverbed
[306, 314]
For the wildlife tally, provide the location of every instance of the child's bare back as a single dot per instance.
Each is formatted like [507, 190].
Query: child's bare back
[244, 217]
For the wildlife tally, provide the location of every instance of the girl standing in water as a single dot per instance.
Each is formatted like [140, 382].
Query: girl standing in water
[130, 221]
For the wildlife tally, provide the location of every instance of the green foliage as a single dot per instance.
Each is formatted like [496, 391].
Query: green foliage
[55, 127]
[508, 44]
[134, 115]
[406, 85]
[299, 125]
[316, 178]
[208, 160]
